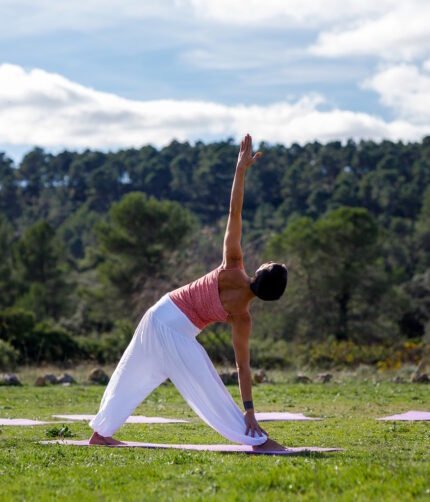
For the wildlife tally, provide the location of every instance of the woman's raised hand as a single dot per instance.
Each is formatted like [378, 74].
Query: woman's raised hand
[245, 158]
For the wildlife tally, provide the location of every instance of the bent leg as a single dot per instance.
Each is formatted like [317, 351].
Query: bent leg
[138, 373]
[193, 374]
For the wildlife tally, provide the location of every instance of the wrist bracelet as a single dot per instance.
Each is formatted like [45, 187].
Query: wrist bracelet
[248, 405]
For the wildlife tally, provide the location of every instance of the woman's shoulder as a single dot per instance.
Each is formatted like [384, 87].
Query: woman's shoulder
[236, 268]
[232, 274]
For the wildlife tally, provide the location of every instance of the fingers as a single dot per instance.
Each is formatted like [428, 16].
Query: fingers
[249, 144]
[257, 156]
[255, 428]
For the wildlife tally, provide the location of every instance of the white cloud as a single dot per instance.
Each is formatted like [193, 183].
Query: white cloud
[46, 109]
[400, 33]
[292, 12]
[20, 17]
[405, 89]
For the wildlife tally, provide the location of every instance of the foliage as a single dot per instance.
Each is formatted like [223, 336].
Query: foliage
[342, 354]
[8, 284]
[59, 432]
[51, 344]
[417, 315]
[16, 325]
[36, 343]
[423, 233]
[217, 344]
[108, 347]
[137, 239]
[8, 356]
[89, 238]
[336, 273]
[38, 256]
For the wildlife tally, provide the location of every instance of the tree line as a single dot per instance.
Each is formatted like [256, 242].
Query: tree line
[89, 240]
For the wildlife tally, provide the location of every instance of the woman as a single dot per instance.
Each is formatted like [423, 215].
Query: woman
[164, 344]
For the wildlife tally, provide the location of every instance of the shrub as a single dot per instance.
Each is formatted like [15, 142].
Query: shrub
[8, 356]
[109, 347]
[51, 344]
[406, 353]
[270, 354]
[265, 353]
[36, 343]
[218, 346]
[16, 327]
[15, 323]
[333, 353]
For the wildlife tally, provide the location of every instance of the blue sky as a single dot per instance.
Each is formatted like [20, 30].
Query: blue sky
[109, 74]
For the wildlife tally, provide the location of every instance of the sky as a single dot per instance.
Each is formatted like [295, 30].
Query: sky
[108, 74]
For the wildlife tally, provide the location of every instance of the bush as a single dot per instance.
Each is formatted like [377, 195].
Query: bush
[107, 348]
[218, 345]
[270, 354]
[332, 354]
[16, 327]
[51, 344]
[409, 352]
[35, 343]
[265, 353]
[15, 324]
[8, 356]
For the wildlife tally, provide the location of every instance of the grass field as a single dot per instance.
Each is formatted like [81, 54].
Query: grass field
[381, 461]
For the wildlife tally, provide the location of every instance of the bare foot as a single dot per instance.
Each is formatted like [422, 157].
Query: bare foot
[269, 445]
[96, 439]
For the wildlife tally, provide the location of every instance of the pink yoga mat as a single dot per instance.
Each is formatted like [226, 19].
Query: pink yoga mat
[23, 421]
[281, 416]
[224, 448]
[409, 416]
[136, 419]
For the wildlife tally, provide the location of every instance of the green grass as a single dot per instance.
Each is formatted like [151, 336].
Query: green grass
[381, 461]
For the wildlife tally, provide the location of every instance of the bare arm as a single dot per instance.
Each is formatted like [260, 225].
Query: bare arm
[232, 254]
[241, 328]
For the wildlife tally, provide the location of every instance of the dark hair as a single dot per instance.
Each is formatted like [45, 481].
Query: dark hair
[269, 283]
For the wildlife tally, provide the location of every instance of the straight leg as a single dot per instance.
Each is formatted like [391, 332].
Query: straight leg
[189, 368]
[138, 373]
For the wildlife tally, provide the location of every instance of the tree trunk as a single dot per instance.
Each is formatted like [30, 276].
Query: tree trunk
[343, 302]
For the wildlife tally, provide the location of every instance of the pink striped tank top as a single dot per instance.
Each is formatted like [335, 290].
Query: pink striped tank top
[199, 300]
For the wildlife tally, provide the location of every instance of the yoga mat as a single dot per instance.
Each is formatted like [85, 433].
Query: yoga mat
[136, 419]
[281, 416]
[409, 416]
[224, 448]
[23, 421]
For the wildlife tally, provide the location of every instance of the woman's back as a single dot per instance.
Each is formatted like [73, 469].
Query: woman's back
[234, 291]
[214, 296]
[200, 300]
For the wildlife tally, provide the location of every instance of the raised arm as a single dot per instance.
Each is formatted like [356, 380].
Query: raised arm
[232, 254]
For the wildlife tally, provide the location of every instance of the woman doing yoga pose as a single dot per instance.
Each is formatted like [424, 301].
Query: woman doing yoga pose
[164, 344]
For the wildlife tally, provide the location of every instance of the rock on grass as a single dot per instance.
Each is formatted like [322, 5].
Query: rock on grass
[9, 379]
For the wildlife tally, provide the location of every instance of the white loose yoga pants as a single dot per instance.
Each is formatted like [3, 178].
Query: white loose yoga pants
[164, 346]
